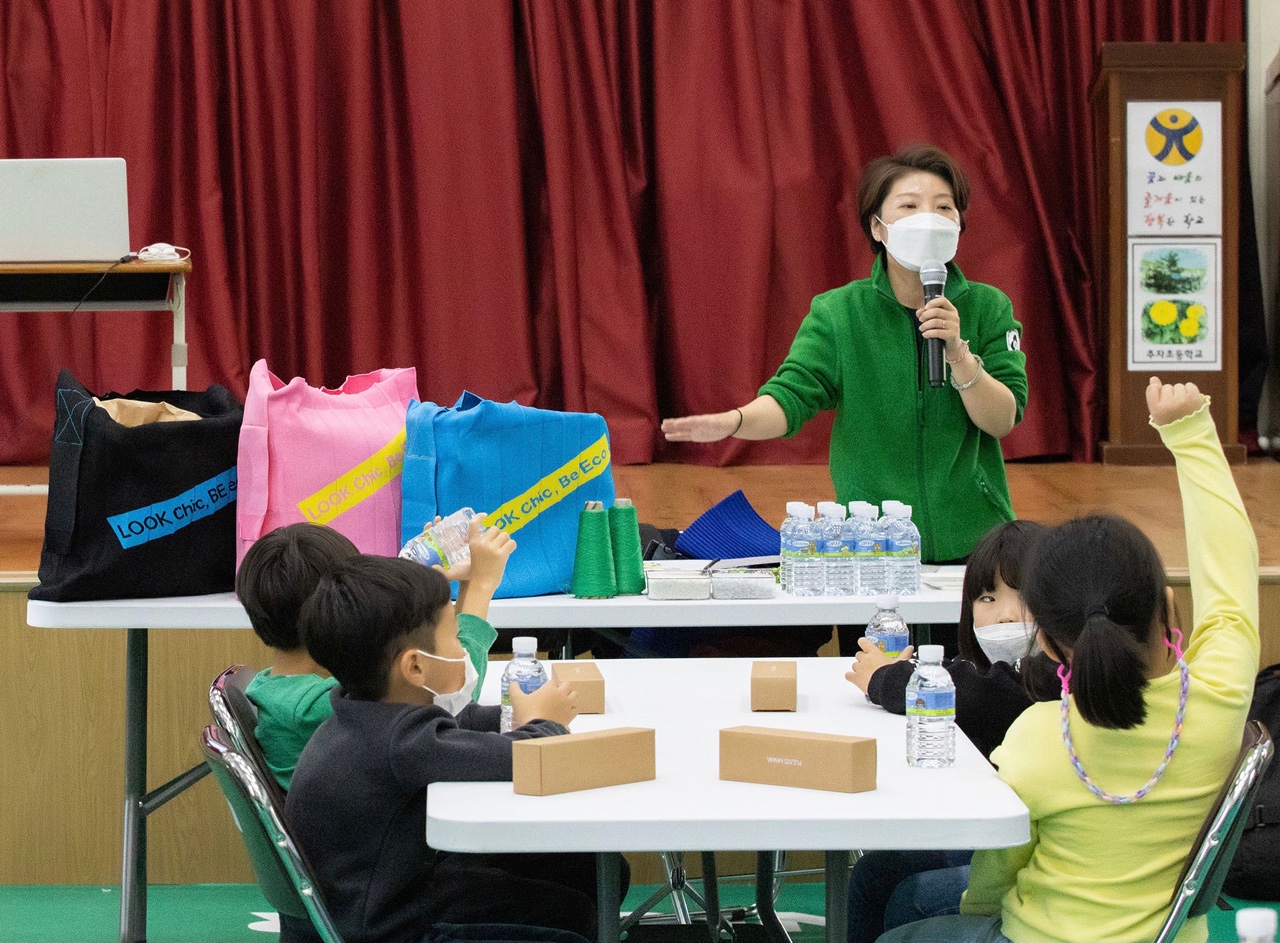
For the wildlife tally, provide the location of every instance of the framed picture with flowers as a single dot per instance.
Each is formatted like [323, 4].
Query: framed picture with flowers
[1175, 304]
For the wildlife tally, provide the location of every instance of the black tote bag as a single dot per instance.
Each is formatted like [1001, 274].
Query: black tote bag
[140, 511]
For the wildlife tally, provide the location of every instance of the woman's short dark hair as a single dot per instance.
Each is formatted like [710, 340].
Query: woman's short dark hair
[1003, 551]
[280, 571]
[882, 173]
[366, 613]
[1097, 587]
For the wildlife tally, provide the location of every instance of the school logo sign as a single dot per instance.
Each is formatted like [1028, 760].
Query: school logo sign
[1174, 136]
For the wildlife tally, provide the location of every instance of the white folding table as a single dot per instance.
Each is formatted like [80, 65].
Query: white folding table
[688, 701]
[223, 611]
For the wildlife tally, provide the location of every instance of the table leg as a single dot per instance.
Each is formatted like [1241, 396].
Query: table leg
[178, 353]
[765, 872]
[609, 896]
[711, 893]
[133, 882]
[837, 879]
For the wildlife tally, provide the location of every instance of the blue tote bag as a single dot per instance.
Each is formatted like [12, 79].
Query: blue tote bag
[529, 470]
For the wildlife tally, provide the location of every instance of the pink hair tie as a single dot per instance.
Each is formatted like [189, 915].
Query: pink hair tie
[1064, 675]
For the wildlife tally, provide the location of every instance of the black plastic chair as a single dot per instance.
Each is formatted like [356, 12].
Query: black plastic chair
[283, 874]
[1200, 883]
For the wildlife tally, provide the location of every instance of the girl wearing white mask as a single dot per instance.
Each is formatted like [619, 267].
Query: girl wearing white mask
[995, 676]
[861, 352]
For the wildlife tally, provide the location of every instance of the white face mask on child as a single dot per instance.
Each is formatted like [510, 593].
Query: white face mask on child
[454, 701]
[1006, 641]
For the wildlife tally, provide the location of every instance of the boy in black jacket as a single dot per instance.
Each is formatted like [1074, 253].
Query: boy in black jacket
[402, 719]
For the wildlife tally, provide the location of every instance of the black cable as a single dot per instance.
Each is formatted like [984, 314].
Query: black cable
[120, 261]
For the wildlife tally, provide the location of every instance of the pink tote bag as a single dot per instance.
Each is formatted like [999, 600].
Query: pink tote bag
[326, 456]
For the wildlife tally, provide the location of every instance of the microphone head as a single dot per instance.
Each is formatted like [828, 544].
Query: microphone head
[933, 273]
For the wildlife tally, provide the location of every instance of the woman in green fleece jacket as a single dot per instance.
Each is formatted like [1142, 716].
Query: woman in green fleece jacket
[861, 352]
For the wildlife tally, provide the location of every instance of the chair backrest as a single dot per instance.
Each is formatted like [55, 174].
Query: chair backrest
[282, 872]
[236, 714]
[1200, 883]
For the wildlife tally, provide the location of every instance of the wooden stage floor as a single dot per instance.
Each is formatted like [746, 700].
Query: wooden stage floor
[673, 495]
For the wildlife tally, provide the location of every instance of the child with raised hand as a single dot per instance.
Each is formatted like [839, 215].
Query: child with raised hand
[278, 573]
[402, 719]
[1120, 775]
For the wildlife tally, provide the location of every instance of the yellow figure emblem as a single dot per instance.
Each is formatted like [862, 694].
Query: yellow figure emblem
[1174, 136]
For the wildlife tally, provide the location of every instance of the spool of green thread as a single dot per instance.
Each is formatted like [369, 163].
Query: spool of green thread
[628, 557]
[593, 576]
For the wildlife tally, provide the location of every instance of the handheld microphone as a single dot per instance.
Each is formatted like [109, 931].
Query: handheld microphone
[933, 276]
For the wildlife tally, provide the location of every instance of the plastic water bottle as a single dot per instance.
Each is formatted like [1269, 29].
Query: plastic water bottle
[442, 544]
[807, 566]
[887, 629]
[1256, 925]
[525, 670]
[795, 509]
[873, 565]
[931, 712]
[903, 549]
[840, 570]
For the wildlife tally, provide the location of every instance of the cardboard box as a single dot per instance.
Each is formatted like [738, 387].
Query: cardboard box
[586, 679]
[773, 685]
[550, 765]
[796, 758]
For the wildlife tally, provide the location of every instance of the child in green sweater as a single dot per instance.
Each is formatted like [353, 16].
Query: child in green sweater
[277, 575]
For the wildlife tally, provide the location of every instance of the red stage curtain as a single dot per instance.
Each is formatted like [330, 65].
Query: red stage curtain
[621, 207]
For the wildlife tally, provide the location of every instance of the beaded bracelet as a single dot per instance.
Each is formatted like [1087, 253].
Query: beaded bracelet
[961, 387]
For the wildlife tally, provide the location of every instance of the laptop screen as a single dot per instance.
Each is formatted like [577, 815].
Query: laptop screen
[63, 210]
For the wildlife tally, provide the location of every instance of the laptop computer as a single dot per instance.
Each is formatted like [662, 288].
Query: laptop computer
[63, 210]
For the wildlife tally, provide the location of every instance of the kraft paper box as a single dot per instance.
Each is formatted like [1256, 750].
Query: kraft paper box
[773, 685]
[795, 758]
[550, 765]
[586, 680]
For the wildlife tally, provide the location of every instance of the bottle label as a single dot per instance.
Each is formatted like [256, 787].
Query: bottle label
[903, 548]
[798, 548]
[931, 703]
[892, 645]
[867, 546]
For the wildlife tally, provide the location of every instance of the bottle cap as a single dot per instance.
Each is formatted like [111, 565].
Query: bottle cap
[796, 509]
[1256, 923]
[887, 601]
[806, 512]
[863, 509]
[831, 509]
[905, 510]
[622, 502]
[930, 654]
[524, 645]
[890, 507]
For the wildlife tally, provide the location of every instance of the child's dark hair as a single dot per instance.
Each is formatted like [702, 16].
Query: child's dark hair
[1097, 586]
[365, 613]
[280, 571]
[1003, 551]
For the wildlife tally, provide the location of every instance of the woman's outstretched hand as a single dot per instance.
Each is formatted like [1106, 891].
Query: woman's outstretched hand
[709, 427]
[1169, 402]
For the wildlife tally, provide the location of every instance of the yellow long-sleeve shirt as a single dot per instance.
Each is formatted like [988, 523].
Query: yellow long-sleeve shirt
[1098, 871]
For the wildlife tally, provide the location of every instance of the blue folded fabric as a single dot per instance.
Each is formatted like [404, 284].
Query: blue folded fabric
[727, 530]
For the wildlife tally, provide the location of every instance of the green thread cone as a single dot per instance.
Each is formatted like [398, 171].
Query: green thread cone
[593, 576]
[628, 556]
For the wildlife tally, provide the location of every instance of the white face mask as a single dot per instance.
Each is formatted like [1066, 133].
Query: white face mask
[1006, 641]
[454, 701]
[922, 237]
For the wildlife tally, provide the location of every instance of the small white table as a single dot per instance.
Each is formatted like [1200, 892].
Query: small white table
[688, 701]
[100, 286]
[223, 611]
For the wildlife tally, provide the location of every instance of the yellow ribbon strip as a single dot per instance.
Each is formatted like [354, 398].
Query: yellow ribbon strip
[520, 510]
[363, 481]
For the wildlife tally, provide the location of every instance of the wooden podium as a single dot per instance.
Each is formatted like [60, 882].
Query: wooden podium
[1168, 257]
